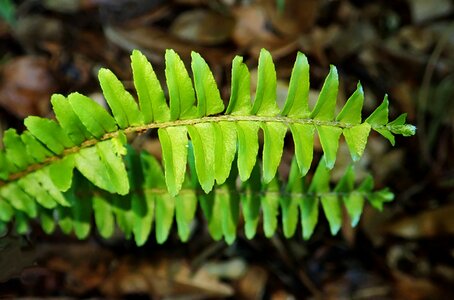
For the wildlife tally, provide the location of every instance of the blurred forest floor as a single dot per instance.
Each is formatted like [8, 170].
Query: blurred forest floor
[404, 48]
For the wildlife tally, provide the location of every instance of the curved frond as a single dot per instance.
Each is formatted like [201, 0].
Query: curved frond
[40, 163]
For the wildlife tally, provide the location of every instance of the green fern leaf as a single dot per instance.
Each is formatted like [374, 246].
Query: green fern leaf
[265, 96]
[270, 205]
[165, 210]
[326, 104]
[16, 153]
[185, 208]
[209, 100]
[95, 118]
[123, 105]
[203, 140]
[351, 112]
[174, 143]
[49, 133]
[104, 218]
[6, 211]
[356, 138]
[47, 220]
[181, 92]
[225, 148]
[250, 202]
[297, 103]
[303, 137]
[274, 134]
[248, 147]
[61, 172]
[21, 223]
[329, 138]
[333, 211]
[103, 167]
[151, 96]
[240, 95]
[68, 120]
[19, 199]
[37, 151]
[289, 201]
[81, 209]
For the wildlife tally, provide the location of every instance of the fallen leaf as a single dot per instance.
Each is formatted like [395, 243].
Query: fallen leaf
[14, 257]
[412, 288]
[163, 278]
[423, 10]
[252, 285]
[26, 87]
[296, 17]
[202, 26]
[428, 224]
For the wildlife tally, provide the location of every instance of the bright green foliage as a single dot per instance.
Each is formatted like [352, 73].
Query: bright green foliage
[151, 96]
[240, 94]
[174, 149]
[225, 147]
[68, 120]
[40, 128]
[297, 103]
[149, 205]
[181, 92]
[265, 95]
[93, 116]
[209, 100]
[202, 136]
[38, 166]
[326, 104]
[123, 105]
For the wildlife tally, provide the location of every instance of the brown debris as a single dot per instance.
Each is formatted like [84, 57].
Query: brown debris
[26, 86]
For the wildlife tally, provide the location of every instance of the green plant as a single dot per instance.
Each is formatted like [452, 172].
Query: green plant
[37, 166]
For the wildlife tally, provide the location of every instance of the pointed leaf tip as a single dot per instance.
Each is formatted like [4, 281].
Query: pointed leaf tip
[326, 103]
[181, 91]
[124, 108]
[351, 112]
[152, 101]
[297, 103]
[209, 100]
[240, 95]
[265, 95]
[380, 115]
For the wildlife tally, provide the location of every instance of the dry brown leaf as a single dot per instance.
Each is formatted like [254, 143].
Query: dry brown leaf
[85, 266]
[14, 257]
[428, 224]
[411, 288]
[252, 285]
[297, 17]
[251, 29]
[33, 32]
[423, 10]
[203, 27]
[26, 86]
[163, 278]
[153, 42]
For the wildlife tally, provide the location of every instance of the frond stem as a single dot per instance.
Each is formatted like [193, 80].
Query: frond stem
[144, 128]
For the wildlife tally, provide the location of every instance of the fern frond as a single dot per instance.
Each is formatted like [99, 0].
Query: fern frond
[90, 139]
[150, 203]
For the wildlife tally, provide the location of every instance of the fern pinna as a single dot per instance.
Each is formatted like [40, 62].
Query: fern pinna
[37, 166]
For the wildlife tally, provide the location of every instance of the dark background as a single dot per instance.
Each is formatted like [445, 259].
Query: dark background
[404, 48]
